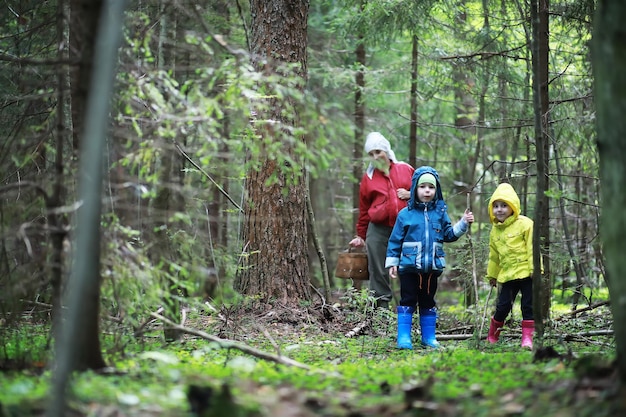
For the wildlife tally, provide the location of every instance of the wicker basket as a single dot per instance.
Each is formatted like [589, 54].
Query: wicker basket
[352, 265]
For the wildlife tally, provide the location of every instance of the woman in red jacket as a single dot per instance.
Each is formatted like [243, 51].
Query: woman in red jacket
[383, 192]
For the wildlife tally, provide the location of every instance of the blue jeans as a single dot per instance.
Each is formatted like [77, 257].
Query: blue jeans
[507, 295]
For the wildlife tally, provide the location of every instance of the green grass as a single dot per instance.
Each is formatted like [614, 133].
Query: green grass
[364, 374]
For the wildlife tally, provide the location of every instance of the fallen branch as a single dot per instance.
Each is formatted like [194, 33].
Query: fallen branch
[140, 330]
[581, 310]
[229, 344]
[550, 336]
[358, 329]
[588, 334]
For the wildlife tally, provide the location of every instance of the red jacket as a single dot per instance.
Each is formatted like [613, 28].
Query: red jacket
[378, 197]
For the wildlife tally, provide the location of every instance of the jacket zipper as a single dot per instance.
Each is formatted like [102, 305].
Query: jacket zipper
[427, 240]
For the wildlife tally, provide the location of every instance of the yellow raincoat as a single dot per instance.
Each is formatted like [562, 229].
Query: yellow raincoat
[510, 242]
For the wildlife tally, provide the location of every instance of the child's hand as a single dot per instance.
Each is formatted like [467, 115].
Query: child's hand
[493, 282]
[393, 272]
[468, 216]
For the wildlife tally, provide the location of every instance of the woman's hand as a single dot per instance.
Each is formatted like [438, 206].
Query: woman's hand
[357, 242]
[468, 216]
[403, 193]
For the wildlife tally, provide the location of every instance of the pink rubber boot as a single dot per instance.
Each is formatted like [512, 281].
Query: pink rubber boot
[494, 330]
[528, 328]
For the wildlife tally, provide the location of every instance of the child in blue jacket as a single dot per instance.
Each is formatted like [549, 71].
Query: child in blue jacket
[415, 253]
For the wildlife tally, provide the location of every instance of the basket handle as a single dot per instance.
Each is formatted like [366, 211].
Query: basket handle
[353, 249]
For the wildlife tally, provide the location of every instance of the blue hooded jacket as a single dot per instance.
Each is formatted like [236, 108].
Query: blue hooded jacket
[416, 241]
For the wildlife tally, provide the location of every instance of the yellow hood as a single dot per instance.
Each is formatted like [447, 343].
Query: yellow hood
[505, 192]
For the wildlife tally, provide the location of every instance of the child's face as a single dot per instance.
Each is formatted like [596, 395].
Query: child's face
[501, 210]
[426, 192]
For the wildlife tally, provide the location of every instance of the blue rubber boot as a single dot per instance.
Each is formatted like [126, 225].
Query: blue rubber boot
[405, 321]
[428, 323]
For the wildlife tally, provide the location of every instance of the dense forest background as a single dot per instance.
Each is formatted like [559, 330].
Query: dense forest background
[232, 157]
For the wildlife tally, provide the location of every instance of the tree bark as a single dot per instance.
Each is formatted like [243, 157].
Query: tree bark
[413, 99]
[58, 196]
[85, 15]
[274, 263]
[79, 345]
[359, 124]
[609, 61]
[541, 231]
[85, 18]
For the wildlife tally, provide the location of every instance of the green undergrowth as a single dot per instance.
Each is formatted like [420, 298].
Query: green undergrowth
[345, 376]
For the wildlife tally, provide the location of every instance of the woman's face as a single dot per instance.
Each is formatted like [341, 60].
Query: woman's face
[501, 210]
[380, 159]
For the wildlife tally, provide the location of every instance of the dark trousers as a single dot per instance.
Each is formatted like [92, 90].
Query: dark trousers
[418, 289]
[507, 295]
[376, 243]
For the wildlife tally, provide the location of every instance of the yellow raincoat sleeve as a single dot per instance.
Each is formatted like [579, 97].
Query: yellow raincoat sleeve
[529, 248]
[493, 263]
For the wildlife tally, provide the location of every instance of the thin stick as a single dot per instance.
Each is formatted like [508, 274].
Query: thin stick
[473, 255]
[482, 323]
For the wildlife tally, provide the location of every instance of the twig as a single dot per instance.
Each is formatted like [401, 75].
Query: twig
[316, 241]
[139, 330]
[482, 322]
[580, 310]
[573, 336]
[271, 339]
[473, 256]
[230, 344]
[358, 329]
[206, 174]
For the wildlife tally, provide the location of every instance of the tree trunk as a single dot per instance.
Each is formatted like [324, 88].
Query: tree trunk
[541, 231]
[79, 346]
[274, 262]
[359, 131]
[413, 98]
[359, 125]
[85, 18]
[58, 196]
[609, 62]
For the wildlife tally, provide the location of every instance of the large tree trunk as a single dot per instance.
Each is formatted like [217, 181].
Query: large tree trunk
[85, 15]
[609, 63]
[274, 262]
[85, 18]
[79, 346]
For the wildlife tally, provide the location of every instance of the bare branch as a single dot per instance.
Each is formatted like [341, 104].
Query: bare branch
[230, 344]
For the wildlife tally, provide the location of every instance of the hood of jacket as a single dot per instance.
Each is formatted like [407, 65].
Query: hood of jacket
[414, 202]
[505, 192]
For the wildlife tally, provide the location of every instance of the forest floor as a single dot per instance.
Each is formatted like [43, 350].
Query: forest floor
[341, 360]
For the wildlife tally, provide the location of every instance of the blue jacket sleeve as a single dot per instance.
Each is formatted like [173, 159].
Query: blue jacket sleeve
[453, 233]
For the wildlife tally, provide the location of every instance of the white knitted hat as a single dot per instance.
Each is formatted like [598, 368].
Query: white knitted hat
[376, 141]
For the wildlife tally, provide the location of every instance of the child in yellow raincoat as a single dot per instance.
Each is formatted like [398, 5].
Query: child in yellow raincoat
[510, 261]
